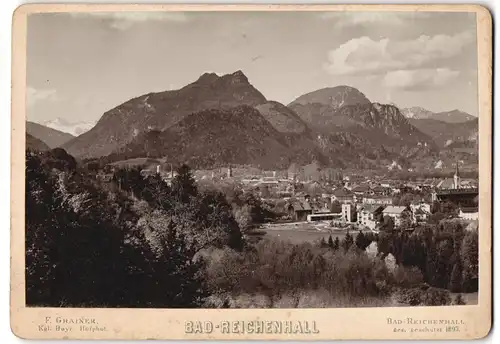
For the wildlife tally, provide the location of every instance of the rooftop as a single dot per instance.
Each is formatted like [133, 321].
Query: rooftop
[300, 205]
[392, 209]
[361, 188]
[469, 209]
[339, 192]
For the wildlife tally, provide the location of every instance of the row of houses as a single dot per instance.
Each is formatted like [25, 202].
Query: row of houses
[370, 216]
[362, 214]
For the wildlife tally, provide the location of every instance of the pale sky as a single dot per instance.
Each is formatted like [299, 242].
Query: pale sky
[81, 65]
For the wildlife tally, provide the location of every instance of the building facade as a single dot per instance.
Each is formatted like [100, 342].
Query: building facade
[368, 215]
[397, 213]
[348, 212]
[470, 213]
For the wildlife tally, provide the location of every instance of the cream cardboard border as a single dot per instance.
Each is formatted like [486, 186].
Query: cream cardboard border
[347, 323]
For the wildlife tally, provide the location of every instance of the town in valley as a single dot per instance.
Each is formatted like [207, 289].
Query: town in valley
[325, 202]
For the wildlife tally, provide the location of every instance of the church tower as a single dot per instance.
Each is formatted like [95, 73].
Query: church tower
[456, 178]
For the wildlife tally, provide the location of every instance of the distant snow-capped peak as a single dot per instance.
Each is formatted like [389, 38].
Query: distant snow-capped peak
[416, 112]
[73, 128]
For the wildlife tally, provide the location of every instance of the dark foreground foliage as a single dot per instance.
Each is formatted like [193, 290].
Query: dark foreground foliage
[88, 246]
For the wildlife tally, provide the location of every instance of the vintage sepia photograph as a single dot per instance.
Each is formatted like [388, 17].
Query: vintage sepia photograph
[252, 160]
[240, 160]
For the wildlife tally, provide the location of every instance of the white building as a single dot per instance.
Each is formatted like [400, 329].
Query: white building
[368, 214]
[471, 213]
[375, 199]
[421, 211]
[348, 212]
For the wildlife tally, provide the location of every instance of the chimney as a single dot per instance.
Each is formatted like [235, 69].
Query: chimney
[274, 174]
[157, 169]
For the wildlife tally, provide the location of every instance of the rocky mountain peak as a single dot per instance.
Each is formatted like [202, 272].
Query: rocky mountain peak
[161, 110]
[334, 97]
[207, 78]
[237, 77]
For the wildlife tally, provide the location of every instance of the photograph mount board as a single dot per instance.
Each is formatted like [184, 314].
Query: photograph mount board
[251, 172]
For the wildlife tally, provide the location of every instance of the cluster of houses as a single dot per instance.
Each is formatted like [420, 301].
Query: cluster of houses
[364, 202]
[365, 209]
[371, 215]
[366, 205]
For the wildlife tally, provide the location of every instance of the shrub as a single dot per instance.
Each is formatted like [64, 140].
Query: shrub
[407, 277]
[424, 296]
[275, 269]
[459, 300]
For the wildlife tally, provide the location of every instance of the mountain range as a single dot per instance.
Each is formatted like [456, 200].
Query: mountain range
[446, 134]
[453, 116]
[158, 111]
[34, 144]
[51, 137]
[221, 120]
[217, 137]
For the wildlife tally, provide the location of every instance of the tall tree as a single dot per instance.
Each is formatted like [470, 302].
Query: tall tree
[323, 243]
[362, 241]
[347, 241]
[470, 261]
[456, 277]
[387, 224]
[184, 185]
[336, 244]
[157, 193]
[330, 242]
[186, 287]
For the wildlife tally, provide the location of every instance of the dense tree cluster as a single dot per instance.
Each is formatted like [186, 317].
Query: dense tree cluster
[249, 211]
[88, 245]
[282, 272]
[276, 269]
[446, 254]
[441, 211]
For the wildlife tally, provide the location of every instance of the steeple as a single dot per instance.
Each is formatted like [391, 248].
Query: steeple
[456, 178]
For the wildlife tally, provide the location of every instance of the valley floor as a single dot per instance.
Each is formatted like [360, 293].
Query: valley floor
[300, 232]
